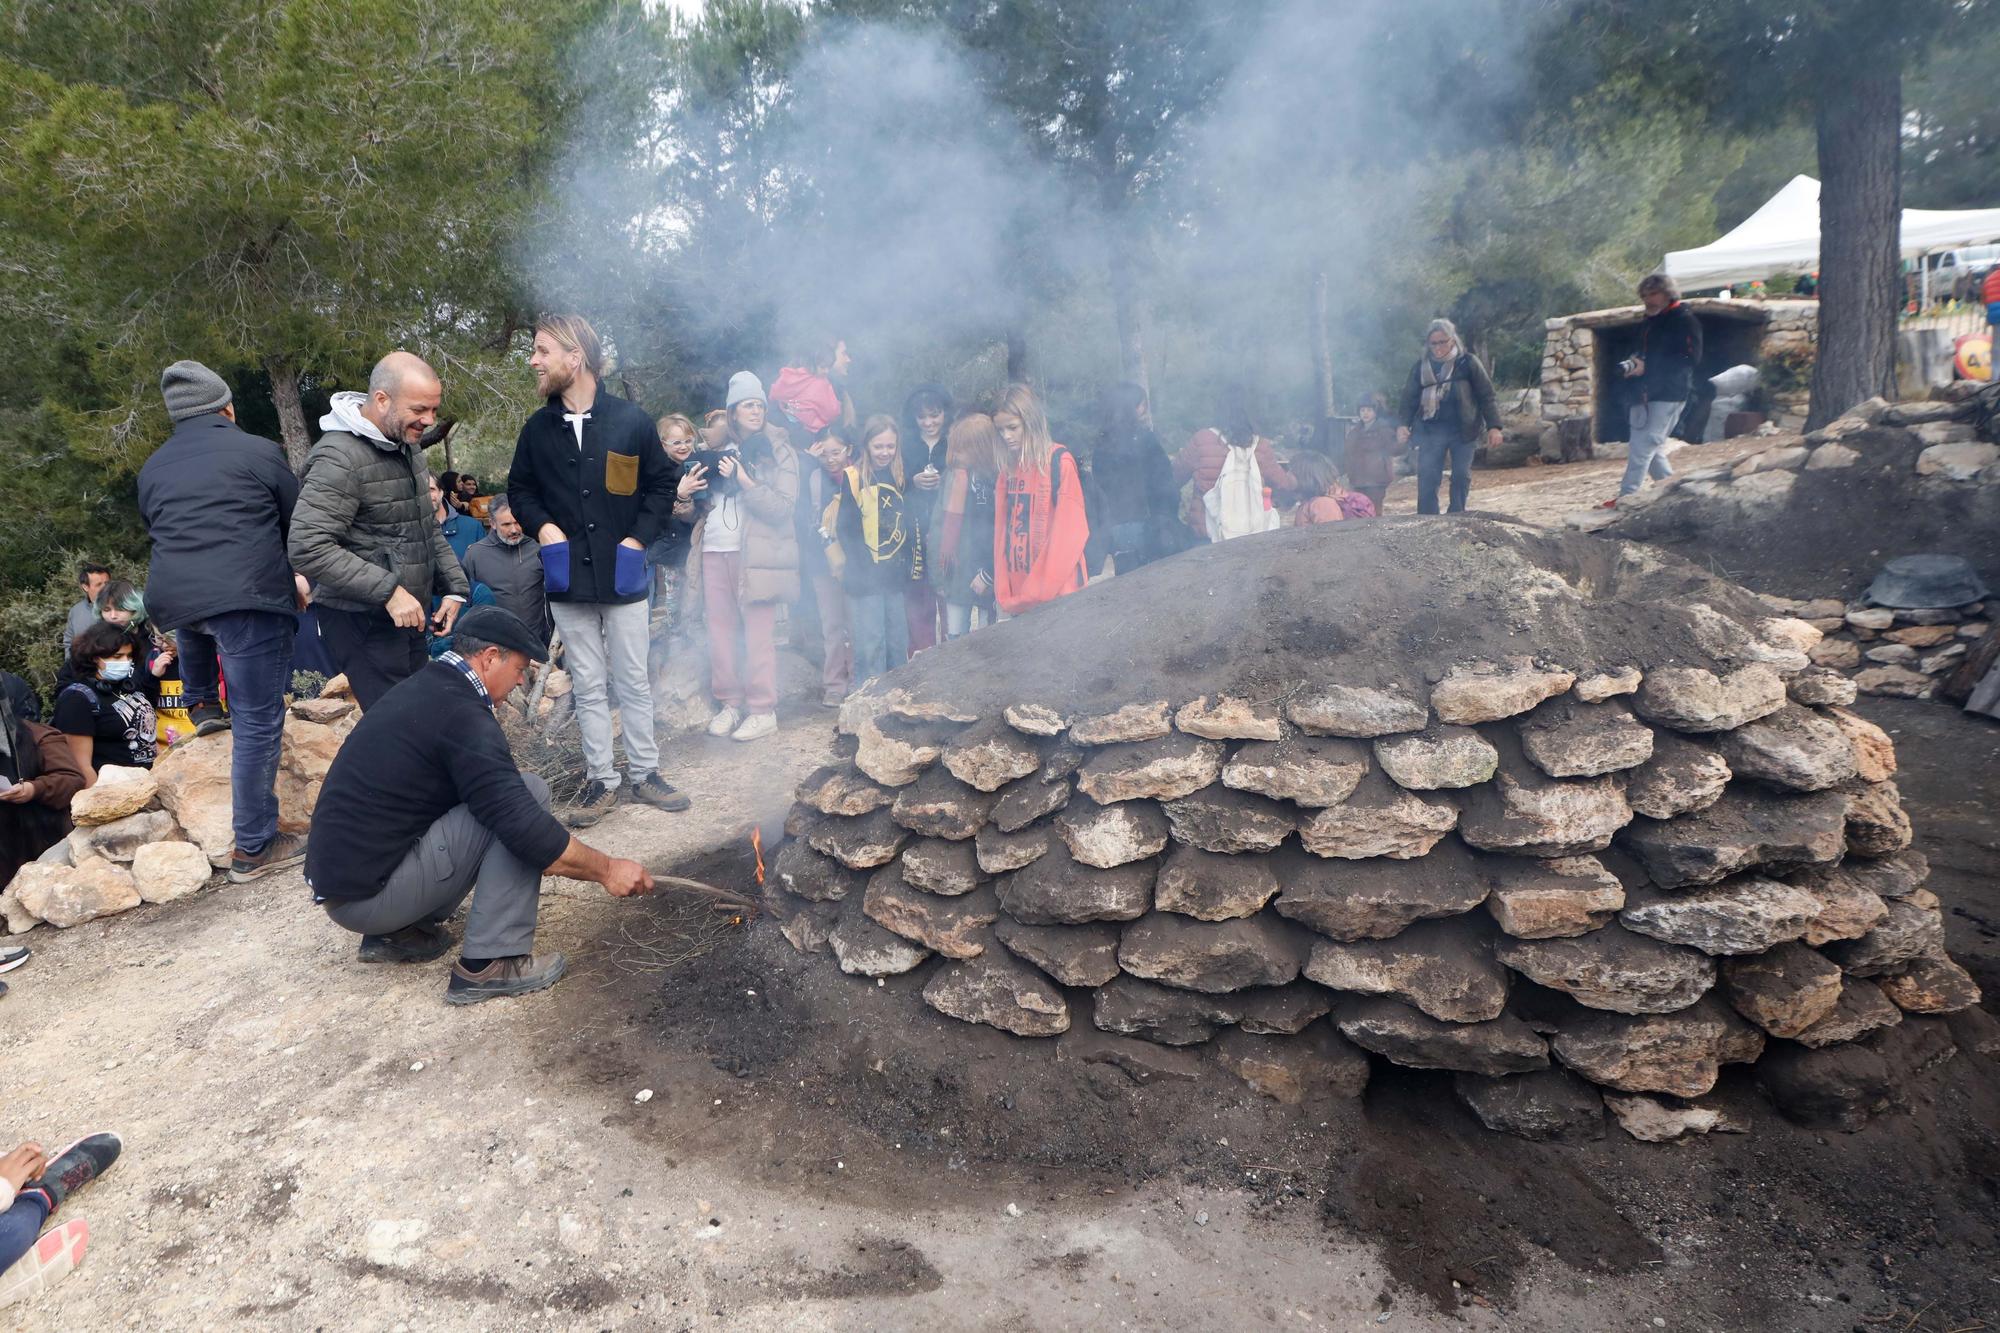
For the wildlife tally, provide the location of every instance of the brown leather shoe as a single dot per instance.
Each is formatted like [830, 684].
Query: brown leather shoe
[503, 976]
[287, 849]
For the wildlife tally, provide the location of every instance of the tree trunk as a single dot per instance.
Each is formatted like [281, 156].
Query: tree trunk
[1322, 350]
[291, 412]
[1860, 223]
[1017, 355]
[1125, 303]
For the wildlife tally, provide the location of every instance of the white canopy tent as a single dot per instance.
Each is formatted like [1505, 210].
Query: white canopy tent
[1783, 237]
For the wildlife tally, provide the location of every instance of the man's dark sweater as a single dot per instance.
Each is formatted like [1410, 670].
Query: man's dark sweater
[431, 743]
[1670, 342]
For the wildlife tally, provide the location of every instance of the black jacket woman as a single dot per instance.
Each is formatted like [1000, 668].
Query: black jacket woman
[1134, 480]
[1448, 397]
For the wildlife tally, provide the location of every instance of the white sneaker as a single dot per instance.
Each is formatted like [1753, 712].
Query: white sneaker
[757, 726]
[724, 722]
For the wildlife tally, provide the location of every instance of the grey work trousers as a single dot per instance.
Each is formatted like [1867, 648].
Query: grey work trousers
[604, 647]
[458, 855]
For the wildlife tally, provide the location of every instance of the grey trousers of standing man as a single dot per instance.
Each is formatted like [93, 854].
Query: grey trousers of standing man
[604, 647]
[458, 855]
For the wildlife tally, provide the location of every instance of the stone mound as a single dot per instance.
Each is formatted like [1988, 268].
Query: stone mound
[1466, 795]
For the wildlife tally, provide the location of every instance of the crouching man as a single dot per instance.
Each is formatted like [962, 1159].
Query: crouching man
[424, 804]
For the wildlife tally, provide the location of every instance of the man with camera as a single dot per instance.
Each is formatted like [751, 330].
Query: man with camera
[1662, 379]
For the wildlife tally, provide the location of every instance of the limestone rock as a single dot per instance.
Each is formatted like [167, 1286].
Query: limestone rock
[1744, 914]
[1744, 829]
[1601, 685]
[1568, 739]
[17, 919]
[1679, 1053]
[1893, 877]
[1895, 682]
[1837, 654]
[1552, 899]
[1035, 719]
[1294, 1070]
[1697, 700]
[989, 755]
[1546, 1104]
[1613, 969]
[1486, 692]
[1907, 933]
[1406, 1037]
[1922, 636]
[938, 805]
[309, 749]
[118, 793]
[165, 871]
[1877, 824]
[1113, 835]
[1055, 890]
[1821, 686]
[1213, 957]
[1143, 1062]
[1163, 1014]
[1654, 1120]
[806, 926]
[1794, 748]
[1848, 908]
[1861, 1009]
[1073, 955]
[802, 871]
[868, 950]
[67, 896]
[1063, 759]
[1133, 722]
[121, 839]
[336, 687]
[1000, 991]
[936, 865]
[1358, 711]
[1681, 777]
[1314, 771]
[1280, 1010]
[1210, 886]
[1919, 1043]
[1444, 968]
[862, 843]
[1960, 461]
[893, 750]
[1832, 1087]
[1378, 819]
[838, 790]
[1785, 991]
[1022, 803]
[1163, 769]
[999, 852]
[1528, 814]
[322, 710]
[1437, 758]
[1871, 617]
[954, 927]
[1932, 985]
[1217, 819]
[1228, 718]
[1375, 899]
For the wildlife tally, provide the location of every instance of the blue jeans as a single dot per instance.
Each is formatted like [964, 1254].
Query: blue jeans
[881, 632]
[256, 647]
[1434, 444]
[957, 619]
[1646, 456]
[20, 1224]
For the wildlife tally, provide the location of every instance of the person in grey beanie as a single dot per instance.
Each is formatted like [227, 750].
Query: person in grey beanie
[217, 503]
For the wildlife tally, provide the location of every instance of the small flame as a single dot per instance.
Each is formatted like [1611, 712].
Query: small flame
[757, 846]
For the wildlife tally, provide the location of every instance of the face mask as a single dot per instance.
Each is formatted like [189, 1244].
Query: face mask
[115, 668]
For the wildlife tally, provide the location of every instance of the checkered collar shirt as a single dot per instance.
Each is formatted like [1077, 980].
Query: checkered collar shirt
[465, 669]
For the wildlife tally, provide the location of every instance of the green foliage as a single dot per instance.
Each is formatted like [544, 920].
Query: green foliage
[307, 684]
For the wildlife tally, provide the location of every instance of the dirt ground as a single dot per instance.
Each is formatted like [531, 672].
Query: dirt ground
[317, 1144]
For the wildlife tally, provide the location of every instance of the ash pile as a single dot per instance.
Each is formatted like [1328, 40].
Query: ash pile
[1565, 815]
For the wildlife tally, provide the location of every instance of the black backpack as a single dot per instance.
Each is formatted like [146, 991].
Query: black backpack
[1097, 546]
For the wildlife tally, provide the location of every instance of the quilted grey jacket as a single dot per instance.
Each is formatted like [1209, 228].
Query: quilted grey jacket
[363, 524]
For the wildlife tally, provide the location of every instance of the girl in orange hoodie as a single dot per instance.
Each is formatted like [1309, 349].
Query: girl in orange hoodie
[1039, 526]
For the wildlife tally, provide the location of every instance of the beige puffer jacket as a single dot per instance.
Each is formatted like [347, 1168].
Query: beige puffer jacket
[770, 553]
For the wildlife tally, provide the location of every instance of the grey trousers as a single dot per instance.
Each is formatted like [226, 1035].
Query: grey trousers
[458, 855]
[605, 649]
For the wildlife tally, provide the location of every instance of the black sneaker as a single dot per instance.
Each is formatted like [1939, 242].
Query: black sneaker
[657, 792]
[76, 1166]
[503, 976]
[412, 944]
[593, 803]
[287, 849]
[208, 719]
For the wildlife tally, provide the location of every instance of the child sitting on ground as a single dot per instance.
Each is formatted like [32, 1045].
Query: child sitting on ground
[1327, 500]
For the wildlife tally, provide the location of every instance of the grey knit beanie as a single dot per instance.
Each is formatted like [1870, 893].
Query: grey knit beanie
[192, 389]
[743, 386]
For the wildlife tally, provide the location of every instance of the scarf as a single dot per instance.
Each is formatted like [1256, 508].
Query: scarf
[1436, 383]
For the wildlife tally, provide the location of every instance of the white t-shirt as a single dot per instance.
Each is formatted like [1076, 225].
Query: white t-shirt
[722, 532]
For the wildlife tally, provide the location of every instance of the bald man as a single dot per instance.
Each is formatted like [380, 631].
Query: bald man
[365, 534]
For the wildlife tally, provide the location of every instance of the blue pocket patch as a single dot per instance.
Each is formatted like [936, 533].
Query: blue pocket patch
[555, 567]
[628, 571]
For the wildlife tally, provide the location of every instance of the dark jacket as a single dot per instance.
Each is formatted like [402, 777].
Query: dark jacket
[363, 526]
[429, 744]
[1371, 454]
[461, 532]
[619, 484]
[1136, 479]
[217, 502]
[1469, 404]
[514, 574]
[1670, 343]
[881, 561]
[40, 755]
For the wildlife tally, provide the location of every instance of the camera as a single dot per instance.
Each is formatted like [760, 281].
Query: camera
[709, 458]
[1629, 367]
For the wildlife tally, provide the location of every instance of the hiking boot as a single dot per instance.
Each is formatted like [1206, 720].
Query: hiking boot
[503, 976]
[756, 727]
[412, 944]
[593, 803]
[724, 722]
[286, 849]
[832, 698]
[76, 1166]
[657, 792]
[208, 719]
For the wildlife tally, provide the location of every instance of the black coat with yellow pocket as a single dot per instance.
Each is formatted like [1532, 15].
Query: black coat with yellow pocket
[613, 482]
